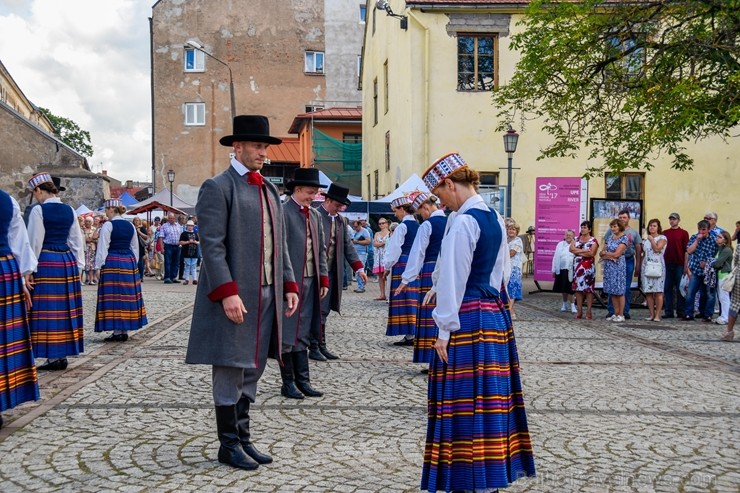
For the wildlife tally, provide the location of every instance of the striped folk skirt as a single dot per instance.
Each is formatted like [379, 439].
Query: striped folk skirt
[402, 308]
[426, 329]
[18, 380]
[120, 305]
[56, 315]
[477, 436]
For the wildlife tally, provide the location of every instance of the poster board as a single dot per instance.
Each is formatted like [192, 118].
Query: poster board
[602, 213]
[560, 204]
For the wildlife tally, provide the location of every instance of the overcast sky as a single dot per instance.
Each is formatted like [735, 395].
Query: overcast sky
[87, 60]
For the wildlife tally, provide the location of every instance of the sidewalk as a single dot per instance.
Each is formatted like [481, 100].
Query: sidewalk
[636, 406]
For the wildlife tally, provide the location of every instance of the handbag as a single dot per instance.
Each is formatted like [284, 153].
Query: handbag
[653, 268]
[728, 283]
[710, 275]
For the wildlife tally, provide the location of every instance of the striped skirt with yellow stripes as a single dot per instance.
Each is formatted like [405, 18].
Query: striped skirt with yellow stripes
[56, 314]
[120, 304]
[477, 435]
[426, 329]
[402, 308]
[18, 380]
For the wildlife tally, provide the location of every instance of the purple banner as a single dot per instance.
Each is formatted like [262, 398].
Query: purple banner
[560, 205]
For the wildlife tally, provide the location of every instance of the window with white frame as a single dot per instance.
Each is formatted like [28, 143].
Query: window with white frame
[195, 61]
[195, 114]
[314, 63]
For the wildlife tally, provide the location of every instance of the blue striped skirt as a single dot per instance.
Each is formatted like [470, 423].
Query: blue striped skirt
[18, 380]
[56, 315]
[426, 329]
[120, 305]
[402, 308]
[477, 435]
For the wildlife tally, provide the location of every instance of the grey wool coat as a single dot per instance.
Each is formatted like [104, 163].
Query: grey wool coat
[298, 235]
[345, 250]
[231, 240]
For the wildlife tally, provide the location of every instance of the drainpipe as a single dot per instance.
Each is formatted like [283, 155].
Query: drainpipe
[412, 16]
[151, 90]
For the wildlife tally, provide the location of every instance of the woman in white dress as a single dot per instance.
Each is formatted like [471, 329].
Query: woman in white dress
[562, 271]
[653, 249]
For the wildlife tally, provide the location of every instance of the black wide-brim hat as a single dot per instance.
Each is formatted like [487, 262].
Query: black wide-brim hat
[338, 193]
[250, 128]
[58, 183]
[307, 177]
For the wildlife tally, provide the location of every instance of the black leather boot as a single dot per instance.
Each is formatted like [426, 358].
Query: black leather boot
[231, 451]
[314, 353]
[242, 421]
[322, 345]
[288, 389]
[302, 379]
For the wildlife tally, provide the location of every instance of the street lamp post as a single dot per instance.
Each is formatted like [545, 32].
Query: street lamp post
[171, 179]
[196, 46]
[511, 138]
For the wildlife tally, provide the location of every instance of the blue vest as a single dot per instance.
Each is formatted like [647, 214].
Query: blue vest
[6, 214]
[435, 239]
[484, 256]
[411, 228]
[58, 219]
[120, 235]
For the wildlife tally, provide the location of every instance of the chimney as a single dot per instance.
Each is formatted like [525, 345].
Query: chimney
[129, 184]
[104, 172]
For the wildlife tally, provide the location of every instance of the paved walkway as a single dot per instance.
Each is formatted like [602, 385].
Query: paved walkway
[637, 406]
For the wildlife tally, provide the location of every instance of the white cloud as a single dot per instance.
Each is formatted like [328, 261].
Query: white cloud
[87, 60]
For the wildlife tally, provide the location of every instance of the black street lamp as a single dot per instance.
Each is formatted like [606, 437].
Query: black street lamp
[196, 46]
[511, 138]
[171, 179]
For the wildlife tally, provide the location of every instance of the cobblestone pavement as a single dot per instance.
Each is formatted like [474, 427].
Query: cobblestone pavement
[638, 406]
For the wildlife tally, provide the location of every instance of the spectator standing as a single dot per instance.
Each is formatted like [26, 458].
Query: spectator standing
[143, 241]
[562, 271]
[361, 241]
[403, 307]
[18, 378]
[615, 273]
[737, 231]
[729, 334]
[120, 307]
[189, 247]
[170, 233]
[90, 234]
[701, 249]
[370, 248]
[634, 250]
[516, 252]
[653, 251]
[723, 266]
[246, 274]
[477, 436]
[675, 266]
[56, 314]
[379, 241]
[181, 221]
[584, 269]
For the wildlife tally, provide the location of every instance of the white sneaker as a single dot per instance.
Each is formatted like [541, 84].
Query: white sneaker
[618, 318]
[573, 308]
[611, 318]
[720, 321]
[563, 308]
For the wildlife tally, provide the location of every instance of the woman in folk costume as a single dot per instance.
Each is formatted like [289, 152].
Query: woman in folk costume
[402, 307]
[18, 380]
[120, 305]
[477, 437]
[421, 262]
[57, 242]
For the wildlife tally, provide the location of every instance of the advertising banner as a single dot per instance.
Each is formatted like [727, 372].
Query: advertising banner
[560, 205]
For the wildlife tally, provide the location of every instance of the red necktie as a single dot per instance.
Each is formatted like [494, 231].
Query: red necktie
[254, 178]
[305, 211]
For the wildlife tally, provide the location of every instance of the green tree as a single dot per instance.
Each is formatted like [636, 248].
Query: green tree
[626, 80]
[70, 133]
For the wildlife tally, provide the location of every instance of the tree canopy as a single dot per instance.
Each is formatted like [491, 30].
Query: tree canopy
[624, 80]
[70, 133]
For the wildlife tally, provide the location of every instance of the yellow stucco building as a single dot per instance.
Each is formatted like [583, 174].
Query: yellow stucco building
[423, 97]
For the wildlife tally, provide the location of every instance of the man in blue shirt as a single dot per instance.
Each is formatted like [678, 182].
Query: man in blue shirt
[702, 249]
[361, 240]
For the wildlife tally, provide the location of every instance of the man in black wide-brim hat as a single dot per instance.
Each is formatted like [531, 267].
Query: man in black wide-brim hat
[339, 248]
[305, 237]
[245, 276]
